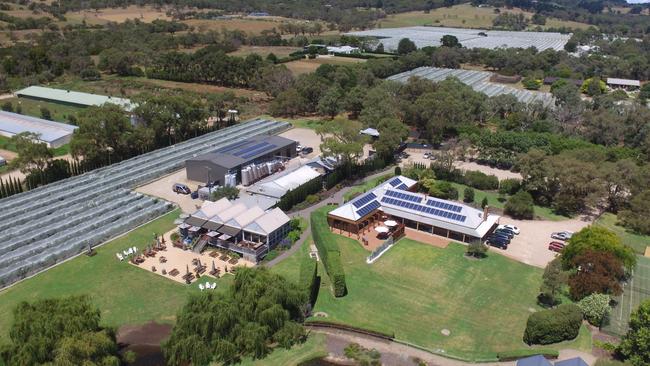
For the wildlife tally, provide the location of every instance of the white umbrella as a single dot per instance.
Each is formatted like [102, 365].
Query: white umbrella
[381, 229]
[390, 223]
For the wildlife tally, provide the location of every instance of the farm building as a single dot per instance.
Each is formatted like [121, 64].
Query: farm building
[343, 49]
[626, 84]
[72, 98]
[394, 200]
[477, 80]
[278, 186]
[470, 38]
[54, 134]
[245, 161]
[247, 230]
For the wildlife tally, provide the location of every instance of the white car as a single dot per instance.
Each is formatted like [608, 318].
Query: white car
[512, 228]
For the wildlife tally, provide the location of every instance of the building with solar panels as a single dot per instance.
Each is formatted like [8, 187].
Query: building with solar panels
[53, 134]
[395, 200]
[225, 165]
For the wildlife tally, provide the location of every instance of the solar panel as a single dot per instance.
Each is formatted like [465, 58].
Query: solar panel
[404, 196]
[422, 208]
[258, 151]
[364, 199]
[444, 206]
[403, 187]
[395, 182]
[368, 208]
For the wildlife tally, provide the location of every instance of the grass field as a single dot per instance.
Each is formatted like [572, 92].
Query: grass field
[544, 213]
[636, 291]
[463, 16]
[124, 293]
[636, 241]
[145, 14]
[365, 186]
[30, 107]
[313, 348]
[416, 290]
[306, 66]
[279, 51]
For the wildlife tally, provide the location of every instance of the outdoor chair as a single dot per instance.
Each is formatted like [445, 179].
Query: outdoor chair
[214, 285]
[119, 256]
[126, 254]
[201, 287]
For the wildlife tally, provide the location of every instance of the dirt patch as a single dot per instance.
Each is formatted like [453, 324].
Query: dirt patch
[306, 66]
[279, 51]
[145, 14]
[144, 340]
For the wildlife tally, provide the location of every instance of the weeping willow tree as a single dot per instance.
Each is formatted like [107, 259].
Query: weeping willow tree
[261, 310]
[60, 332]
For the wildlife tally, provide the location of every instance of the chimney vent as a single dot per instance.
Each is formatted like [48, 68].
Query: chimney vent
[485, 212]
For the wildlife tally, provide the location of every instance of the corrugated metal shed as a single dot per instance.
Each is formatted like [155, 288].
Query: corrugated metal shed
[74, 97]
[52, 133]
[624, 82]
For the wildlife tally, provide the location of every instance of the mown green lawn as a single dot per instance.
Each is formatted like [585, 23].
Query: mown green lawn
[636, 241]
[544, 213]
[416, 290]
[313, 348]
[124, 293]
[30, 107]
[290, 267]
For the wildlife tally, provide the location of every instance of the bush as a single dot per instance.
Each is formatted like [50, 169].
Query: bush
[520, 206]
[398, 170]
[595, 308]
[477, 249]
[480, 180]
[444, 190]
[553, 325]
[311, 199]
[509, 186]
[468, 195]
[484, 202]
[523, 353]
[329, 252]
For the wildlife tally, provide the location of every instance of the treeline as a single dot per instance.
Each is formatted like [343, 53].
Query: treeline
[15, 23]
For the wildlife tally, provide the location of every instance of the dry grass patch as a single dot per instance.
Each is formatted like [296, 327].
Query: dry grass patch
[146, 14]
[255, 26]
[306, 66]
[279, 51]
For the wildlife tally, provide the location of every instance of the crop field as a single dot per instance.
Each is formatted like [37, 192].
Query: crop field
[416, 290]
[636, 290]
[306, 66]
[464, 16]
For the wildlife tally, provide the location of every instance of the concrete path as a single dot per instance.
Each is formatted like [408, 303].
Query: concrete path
[306, 213]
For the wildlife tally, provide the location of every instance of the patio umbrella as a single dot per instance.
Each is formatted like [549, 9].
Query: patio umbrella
[390, 223]
[213, 266]
[381, 229]
[187, 269]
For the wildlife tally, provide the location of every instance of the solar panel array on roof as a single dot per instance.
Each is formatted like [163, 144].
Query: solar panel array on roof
[373, 205]
[404, 196]
[395, 182]
[403, 187]
[424, 209]
[364, 199]
[444, 205]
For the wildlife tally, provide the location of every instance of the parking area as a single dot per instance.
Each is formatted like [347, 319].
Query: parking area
[531, 245]
[417, 156]
[305, 137]
[163, 188]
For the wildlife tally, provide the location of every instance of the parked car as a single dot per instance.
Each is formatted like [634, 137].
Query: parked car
[508, 233]
[307, 150]
[180, 188]
[498, 243]
[512, 228]
[3, 161]
[427, 155]
[194, 195]
[562, 235]
[555, 246]
[497, 236]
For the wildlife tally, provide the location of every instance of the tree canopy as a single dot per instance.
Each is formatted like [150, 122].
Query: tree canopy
[597, 239]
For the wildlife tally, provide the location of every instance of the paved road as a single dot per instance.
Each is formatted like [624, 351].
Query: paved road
[306, 213]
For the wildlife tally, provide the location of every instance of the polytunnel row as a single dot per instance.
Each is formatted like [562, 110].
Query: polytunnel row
[49, 224]
[477, 80]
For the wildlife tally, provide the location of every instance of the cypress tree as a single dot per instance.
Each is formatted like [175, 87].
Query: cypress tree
[3, 193]
[11, 190]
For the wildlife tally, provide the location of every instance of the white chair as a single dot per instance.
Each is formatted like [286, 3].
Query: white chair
[119, 256]
[126, 254]
[201, 287]
[130, 251]
[214, 285]
[135, 250]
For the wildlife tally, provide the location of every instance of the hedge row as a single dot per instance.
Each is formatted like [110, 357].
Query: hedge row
[553, 325]
[523, 353]
[299, 194]
[309, 279]
[329, 252]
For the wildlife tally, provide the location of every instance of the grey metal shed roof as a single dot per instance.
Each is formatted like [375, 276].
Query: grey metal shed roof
[74, 97]
[536, 360]
[13, 123]
[234, 155]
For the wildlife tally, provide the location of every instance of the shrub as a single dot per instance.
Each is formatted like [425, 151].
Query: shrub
[523, 353]
[311, 199]
[520, 206]
[635, 345]
[468, 195]
[477, 249]
[444, 190]
[597, 239]
[599, 272]
[532, 83]
[509, 186]
[595, 308]
[553, 325]
[480, 180]
[484, 202]
[7, 107]
[398, 170]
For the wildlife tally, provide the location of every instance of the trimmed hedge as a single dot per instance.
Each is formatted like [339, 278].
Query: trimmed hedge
[523, 353]
[309, 279]
[553, 325]
[329, 252]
